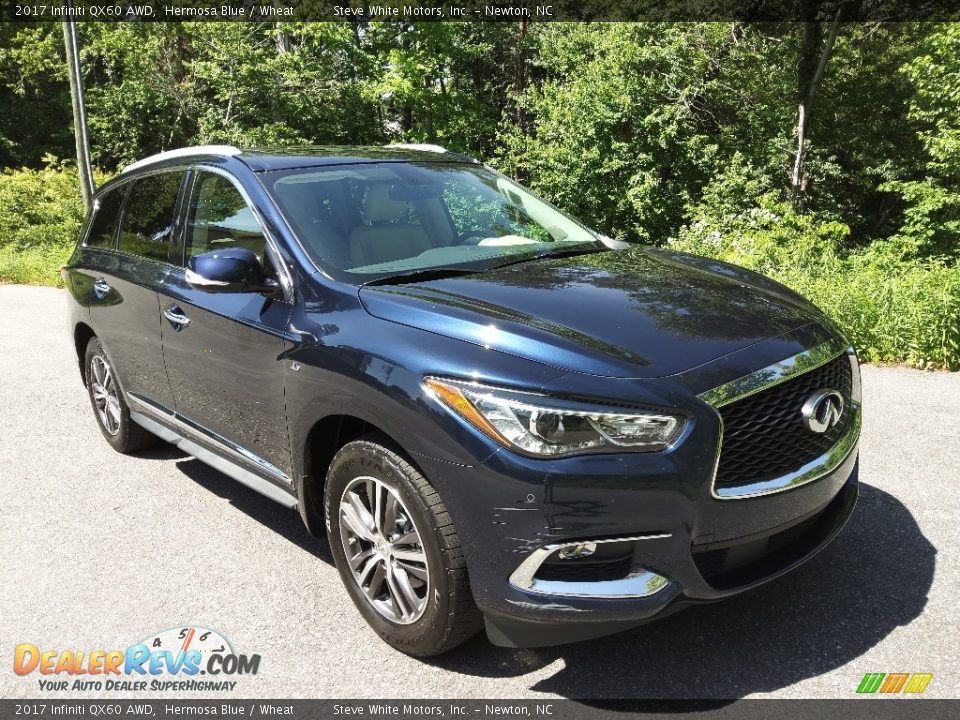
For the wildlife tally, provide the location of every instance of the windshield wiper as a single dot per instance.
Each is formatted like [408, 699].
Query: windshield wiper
[435, 273]
[570, 252]
[439, 273]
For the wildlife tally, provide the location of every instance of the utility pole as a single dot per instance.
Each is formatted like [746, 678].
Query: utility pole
[79, 111]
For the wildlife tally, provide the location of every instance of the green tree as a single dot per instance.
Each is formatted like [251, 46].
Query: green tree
[931, 218]
[34, 95]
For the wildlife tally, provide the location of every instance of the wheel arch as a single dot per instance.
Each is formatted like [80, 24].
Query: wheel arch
[325, 437]
[82, 335]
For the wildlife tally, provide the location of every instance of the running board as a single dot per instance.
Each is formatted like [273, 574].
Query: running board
[227, 467]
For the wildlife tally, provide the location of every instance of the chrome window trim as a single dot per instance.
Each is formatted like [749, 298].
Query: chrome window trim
[771, 376]
[640, 583]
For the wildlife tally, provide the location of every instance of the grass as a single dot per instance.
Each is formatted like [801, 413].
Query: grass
[34, 266]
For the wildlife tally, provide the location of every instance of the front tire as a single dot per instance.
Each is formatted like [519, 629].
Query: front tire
[109, 407]
[397, 551]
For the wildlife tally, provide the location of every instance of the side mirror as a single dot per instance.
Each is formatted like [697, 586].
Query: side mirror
[230, 270]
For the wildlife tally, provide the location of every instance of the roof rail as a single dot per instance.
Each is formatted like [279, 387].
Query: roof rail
[227, 150]
[428, 147]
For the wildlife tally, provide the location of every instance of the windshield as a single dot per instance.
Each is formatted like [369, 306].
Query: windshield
[382, 219]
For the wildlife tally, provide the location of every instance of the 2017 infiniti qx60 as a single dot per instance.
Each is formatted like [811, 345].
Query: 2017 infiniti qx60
[496, 415]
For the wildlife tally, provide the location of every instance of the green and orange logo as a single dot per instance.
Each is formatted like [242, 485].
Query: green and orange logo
[894, 683]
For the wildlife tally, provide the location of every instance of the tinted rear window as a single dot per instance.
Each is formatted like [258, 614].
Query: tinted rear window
[147, 228]
[104, 224]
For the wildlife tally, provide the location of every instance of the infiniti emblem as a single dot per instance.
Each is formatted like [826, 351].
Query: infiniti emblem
[822, 410]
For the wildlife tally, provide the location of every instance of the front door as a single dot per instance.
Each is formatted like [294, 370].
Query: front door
[223, 351]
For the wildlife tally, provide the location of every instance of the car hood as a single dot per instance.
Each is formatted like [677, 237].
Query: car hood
[630, 313]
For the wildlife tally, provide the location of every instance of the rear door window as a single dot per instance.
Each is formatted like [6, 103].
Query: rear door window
[148, 218]
[103, 227]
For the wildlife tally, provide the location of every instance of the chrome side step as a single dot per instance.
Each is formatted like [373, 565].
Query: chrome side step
[218, 462]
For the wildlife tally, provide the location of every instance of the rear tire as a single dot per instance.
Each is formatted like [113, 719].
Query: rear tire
[109, 407]
[396, 549]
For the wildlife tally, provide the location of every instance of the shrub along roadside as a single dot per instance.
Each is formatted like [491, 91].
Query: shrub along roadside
[894, 307]
[41, 213]
[33, 266]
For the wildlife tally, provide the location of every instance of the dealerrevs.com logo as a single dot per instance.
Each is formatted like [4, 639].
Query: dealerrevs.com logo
[894, 683]
[185, 658]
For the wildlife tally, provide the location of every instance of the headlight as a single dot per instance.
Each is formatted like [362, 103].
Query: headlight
[548, 427]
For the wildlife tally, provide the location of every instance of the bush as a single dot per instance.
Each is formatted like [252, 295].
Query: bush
[37, 266]
[41, 213]
[893, 307]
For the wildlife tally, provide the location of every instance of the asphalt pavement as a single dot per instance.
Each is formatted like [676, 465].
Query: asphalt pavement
[102, 550]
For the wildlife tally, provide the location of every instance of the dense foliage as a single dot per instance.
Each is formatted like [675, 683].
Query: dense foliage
[41, 214]
[686, 134]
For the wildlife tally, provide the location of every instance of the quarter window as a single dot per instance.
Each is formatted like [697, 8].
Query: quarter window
[147, 228]
[103, 227]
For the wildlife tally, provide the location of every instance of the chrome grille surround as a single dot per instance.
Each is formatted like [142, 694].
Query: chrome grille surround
[769, 377]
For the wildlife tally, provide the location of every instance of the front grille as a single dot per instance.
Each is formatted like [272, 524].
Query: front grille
[764, 436]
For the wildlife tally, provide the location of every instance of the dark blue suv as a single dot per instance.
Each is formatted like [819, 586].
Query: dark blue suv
[496, 415]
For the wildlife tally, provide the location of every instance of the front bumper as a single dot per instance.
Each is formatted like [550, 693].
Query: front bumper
[681, 541]
[706, 548]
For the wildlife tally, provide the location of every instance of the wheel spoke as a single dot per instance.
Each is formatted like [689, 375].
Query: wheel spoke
[371, 487]
[418, 572]
[376, 582]
[357, 561]
[97, 365]
[355, 520]
[356, 502]
[380, 494]
[417, 556]
[402, 581]
[400, 601]
[367, 570]
[389, 513]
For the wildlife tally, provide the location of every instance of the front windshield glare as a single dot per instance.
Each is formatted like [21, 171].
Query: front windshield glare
[391, 218]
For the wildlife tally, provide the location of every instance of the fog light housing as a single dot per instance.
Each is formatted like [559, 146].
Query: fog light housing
[604, 568]
[573, 552]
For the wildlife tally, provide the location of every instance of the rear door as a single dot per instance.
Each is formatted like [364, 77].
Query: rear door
[224, 350]
[125, 309]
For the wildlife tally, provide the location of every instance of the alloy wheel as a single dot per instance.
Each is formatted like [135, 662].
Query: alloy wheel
[105, 395]
[384, 550]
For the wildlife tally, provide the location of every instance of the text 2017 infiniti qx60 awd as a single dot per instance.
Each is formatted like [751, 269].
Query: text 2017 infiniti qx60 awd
[497, 416]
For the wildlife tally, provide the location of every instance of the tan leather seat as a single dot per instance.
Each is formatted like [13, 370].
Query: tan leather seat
[308, 207]
[390, 236]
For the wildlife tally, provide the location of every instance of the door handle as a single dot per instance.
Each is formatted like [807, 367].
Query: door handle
[100, 288]
[176, 317]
